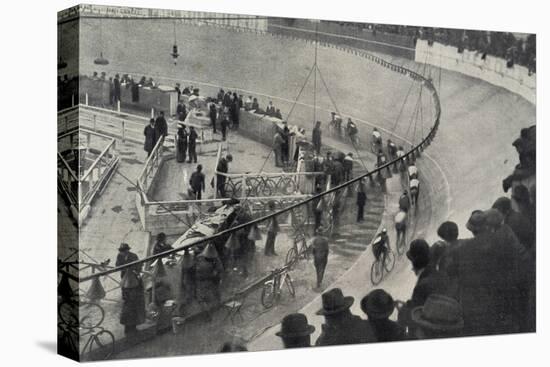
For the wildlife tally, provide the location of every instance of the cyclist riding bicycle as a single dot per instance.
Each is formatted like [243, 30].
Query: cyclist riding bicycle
[380, 244]
[413, 172]
[414, 189]
[351, 129]
[400, 221]
[404, 202]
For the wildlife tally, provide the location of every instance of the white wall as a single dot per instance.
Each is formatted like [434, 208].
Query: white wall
[492, 70]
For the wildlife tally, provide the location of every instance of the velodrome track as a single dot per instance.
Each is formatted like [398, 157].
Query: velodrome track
[462, 169]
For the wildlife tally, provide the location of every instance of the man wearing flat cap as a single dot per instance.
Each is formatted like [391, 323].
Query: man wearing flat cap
[295, 331]
[341, 326]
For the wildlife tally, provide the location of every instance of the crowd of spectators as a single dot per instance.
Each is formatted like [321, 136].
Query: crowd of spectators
[515, 48]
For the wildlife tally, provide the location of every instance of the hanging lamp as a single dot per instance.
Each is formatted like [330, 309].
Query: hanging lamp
[101, 60]
[175, 53]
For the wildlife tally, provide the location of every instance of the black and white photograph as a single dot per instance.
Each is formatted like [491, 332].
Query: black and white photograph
[257, 178]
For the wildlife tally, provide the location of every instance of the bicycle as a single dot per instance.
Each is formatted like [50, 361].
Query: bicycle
[105, 341]
[299, 250]
[273, 288]
[386, 261]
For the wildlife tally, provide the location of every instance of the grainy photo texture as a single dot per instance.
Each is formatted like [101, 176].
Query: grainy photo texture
[234, 183]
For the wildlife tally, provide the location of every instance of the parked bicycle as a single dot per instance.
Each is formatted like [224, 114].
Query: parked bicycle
[299, 250]
[273, 288]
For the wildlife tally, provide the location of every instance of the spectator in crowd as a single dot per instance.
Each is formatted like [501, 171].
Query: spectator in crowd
[133, 297]
[116, 88]
[337, 176]
[248, 104]
[192, 145]
[208, 270]
[272, 230]
[316, 137]
[224, 125]
[392, 149]
[278, 114]
[234, 112]
[320, 250]
[134, 90]
[227, 99]
[111, 91]
[241, 101]
[161, 245]
[429, 280]
[181, 143]
[518, 222]
[341, 326]
[361, 200]
[270, 109]
[230, 347]
[161, 127]
[285, 134]
[278, 149]
[150, 135]
[181, 111]
[379, 305]
[439, 317]
[522, 201]
[197, 182]
[213, 114]
[295, 331]
[188, 282]
[221, 95]
[223, 167]
[255, 104]
[318, 205]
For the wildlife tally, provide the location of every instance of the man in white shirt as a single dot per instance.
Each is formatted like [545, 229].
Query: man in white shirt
[413, 172]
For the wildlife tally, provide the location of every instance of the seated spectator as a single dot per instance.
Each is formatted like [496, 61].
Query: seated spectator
[378, 305]
[255, 104]
[341, 326]
[248, 104]
[270, 109]
[439, 317]
[295, 331]
[277, 114]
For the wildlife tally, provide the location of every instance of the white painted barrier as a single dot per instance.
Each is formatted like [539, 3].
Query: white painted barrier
[493, 70]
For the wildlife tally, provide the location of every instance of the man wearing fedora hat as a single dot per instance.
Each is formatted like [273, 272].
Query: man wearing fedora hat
[341, 326]
[295, 331]
[379, 305]
[429, 279]
[439, 317]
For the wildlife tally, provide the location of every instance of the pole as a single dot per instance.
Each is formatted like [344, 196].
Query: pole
[315, 77]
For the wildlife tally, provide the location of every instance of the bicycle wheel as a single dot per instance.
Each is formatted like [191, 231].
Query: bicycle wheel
[68, 314]
[254, 185]
[286, 186]
[291, 257]
[105, 344]
[290, 285]
[268, 295]
[376, 272]
[92, 315]
[389, 261]
[267, 188]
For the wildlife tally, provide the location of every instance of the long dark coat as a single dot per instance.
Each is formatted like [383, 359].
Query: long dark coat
[181, 145]
[161, 128]
[133, 299]
[150, 140]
